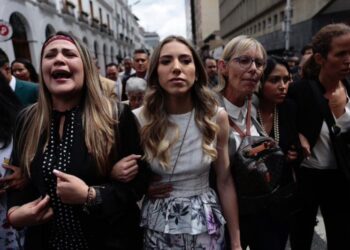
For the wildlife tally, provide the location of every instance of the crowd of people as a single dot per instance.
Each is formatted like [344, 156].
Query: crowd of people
[146, 157]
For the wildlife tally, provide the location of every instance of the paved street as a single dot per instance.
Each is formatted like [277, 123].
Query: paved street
[319, 241]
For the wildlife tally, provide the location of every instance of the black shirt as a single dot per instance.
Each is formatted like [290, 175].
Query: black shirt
[113, 224]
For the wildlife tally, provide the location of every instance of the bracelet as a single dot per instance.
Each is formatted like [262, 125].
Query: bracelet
[89, 197]
[89, 201]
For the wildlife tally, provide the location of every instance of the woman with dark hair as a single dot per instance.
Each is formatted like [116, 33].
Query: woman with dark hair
[320, 179]
[24, 70]
[277, 117]
[67, 144]
[183, 132]
[9, 107]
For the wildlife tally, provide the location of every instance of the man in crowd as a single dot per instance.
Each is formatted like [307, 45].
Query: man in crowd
[26, 92]
[306, 52]
[108, 85]
[128, 68]
[212, 71]
[112, 73]
[140, 58]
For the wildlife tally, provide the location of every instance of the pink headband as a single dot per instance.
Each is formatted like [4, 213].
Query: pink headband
[58, 37]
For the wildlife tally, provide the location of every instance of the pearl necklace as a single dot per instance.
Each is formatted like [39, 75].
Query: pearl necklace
[276, 133]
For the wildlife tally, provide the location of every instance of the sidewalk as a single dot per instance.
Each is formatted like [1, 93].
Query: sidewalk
[319, 241]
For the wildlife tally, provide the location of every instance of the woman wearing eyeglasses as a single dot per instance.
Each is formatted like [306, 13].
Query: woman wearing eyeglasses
[240, 70]
[277, 117]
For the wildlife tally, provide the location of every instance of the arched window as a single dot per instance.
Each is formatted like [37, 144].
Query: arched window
[19, 37]
[105, 54]
[49, 30]
[119, 56]
[112, 54]
[96, 50]
[86, 43]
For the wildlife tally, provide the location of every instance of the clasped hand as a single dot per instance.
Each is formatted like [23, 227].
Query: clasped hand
[70, 189]
[32, 213]
[292, 154]
[337, 101]
[158, 190]
[15, 180]
[126, 169]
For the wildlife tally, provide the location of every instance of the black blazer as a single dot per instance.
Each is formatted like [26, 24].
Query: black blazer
[287, 112]
[309, 115]
[113, 224]
[27, 92]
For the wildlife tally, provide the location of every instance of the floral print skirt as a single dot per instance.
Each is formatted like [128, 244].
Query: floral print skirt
[10, 238]
[157, 240]
[184, 215]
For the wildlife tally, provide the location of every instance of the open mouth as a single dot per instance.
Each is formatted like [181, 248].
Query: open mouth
[59, 74]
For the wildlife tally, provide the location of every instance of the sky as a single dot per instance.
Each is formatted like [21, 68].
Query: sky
[166, 17]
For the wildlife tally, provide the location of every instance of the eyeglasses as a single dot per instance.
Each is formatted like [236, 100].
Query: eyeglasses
[246, 61]
[278, 79]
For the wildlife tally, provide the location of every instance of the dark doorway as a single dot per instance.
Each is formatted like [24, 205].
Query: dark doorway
[49, 31]
[19, 37]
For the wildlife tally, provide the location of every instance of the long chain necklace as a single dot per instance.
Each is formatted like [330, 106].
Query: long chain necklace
[276, 133]
[182, 142]
[178, 154]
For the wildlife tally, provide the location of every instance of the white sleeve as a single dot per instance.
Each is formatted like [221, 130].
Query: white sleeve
[344, 120]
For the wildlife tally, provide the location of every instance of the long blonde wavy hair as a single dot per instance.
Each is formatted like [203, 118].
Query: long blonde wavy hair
[153, 133]
[97, 114]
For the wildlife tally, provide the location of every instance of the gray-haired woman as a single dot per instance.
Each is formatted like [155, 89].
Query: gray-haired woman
[135, 90]
[240, 69]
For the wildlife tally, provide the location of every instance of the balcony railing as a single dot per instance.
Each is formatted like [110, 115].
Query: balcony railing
[104, 28]
[110, 32]
[94, 22]
[52, 3]
[68, 8]
[84, 17]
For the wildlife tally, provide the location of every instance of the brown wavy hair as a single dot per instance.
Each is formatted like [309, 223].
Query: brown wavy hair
[321, 43]
[153, 138]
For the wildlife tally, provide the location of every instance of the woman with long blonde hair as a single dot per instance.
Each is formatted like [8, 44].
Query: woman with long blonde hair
[67, 145]
[183, 132]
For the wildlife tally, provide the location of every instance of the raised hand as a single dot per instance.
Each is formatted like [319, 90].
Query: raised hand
[337, 101]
